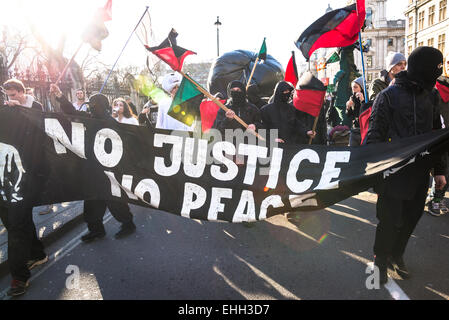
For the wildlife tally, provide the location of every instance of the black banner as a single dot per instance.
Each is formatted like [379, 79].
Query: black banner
[50, 158]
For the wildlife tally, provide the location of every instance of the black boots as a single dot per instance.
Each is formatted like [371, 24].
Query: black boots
[93, 235]
[381, 263]
[126, 229]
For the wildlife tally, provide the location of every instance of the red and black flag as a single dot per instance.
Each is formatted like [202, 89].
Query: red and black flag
[291, 73]
[170, 52]
[337, 28]
[96, 31]
[310, 96]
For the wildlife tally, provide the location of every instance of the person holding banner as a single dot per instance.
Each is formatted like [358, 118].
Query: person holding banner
[407, 108]
[25, 250]
[94, 210]
[238, 105]
[280, 115]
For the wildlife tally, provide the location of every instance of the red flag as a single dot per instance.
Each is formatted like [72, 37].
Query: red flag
[364, 122]
[209, 111]
[96, 31]
[291, 73]
[107, 11]
[310, 96]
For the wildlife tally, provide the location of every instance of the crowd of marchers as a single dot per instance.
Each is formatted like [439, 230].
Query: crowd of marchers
[411, 97]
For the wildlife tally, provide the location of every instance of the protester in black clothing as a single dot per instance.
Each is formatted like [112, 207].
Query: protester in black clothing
[25, 250]
[407, 108]
[94, 210]
[238, 105]
[305, 121]
[353, 107]
[253, 96]
[280, 113]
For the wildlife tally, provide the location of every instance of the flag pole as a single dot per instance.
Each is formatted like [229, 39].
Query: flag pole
[115, 63]
[218, 103]
[314, 128]
[252, 73]
[68, 64]
[363, 67]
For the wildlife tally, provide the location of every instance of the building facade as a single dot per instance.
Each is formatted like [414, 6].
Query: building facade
[427, 24]
[382, 36]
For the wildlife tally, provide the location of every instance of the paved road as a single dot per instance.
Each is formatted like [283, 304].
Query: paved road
[316, 255]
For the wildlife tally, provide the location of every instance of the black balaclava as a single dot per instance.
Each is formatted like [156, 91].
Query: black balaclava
[99, 105]
[238, 98]
[279, 95]
[425, 65]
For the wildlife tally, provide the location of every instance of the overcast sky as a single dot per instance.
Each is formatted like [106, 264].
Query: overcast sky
[244, 24]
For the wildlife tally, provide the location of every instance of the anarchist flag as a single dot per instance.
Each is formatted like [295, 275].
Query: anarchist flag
[337, 28]
[169, 52]
[291, 73]
[96, 31]
[186, 103]
[309, 97]
[263, 51]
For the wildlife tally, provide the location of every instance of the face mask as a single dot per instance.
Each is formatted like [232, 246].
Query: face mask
[285, 97]
[238, 97]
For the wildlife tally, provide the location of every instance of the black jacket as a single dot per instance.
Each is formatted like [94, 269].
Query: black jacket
[292, 125]
[246, 111]
[403, 110]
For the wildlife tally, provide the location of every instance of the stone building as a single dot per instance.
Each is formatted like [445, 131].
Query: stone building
[382, 36]
[427, 24]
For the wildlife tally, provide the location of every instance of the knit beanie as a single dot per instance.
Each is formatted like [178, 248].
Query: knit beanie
[393, 58]
[359, 81]
[425, 65]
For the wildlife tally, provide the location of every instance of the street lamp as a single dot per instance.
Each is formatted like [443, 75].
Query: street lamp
[218, 24]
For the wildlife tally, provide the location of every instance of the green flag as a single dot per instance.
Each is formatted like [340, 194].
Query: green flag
[333, 58]
[263, 51]
[186, 103]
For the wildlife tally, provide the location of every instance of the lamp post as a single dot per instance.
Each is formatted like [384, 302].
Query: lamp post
[218, 24]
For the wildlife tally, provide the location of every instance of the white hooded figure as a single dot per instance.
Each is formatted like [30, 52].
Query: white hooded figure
[170, 84]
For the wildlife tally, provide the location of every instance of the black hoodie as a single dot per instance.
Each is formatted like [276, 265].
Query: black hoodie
[248, 112]
[280, 115]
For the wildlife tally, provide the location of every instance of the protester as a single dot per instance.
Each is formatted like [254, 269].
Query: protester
[407, 108]
[238, 105]
[131, 105]
[253, 93]
[281, 115]
[146, 116]
[437, 205]
[80, 102]
[94, 210]
[15, 91]
[353, 110]
[170, 84]
[25, 250]
[122, 112]
[395, 63]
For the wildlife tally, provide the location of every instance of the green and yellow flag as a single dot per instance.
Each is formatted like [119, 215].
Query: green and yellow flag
[186, 103]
